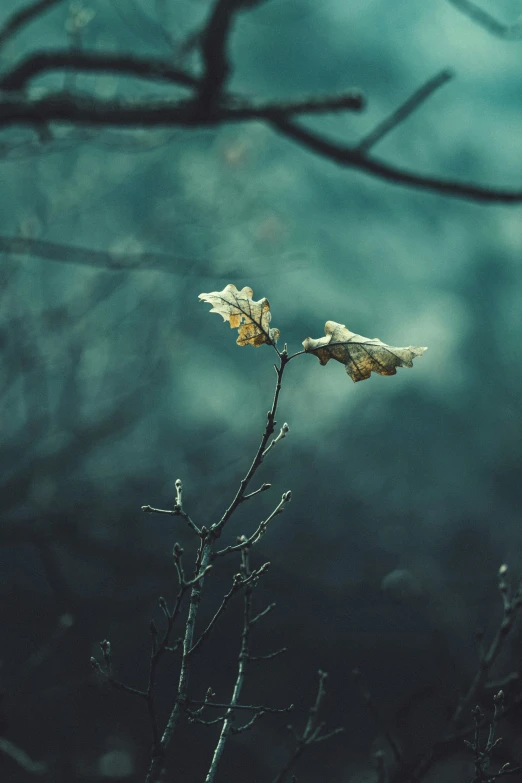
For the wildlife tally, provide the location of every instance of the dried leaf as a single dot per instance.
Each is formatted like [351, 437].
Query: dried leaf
[251, 318]
[361, 355]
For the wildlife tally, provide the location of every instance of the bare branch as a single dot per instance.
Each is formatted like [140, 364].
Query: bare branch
[19, 19]
[269, 656]
[116, 684]
[351, 157]
[245, 543]
[404, 111]
[262, 614]
[213, 42]
[239, 583]
[79, 61]
[249, 707]
[282, 434]
[177, 511]
[488, 22]
[262, 488]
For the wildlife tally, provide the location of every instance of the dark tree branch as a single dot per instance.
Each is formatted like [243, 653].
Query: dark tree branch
[23, 17]
[487, 21]
[404, 111]
[213, 41]
[351, 157]
[18, 78]
[85, 110]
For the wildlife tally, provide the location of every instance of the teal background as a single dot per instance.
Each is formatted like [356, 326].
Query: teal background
[114, 383]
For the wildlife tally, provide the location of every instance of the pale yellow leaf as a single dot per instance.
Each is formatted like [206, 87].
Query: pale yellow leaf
[251, 318]
[360, 355]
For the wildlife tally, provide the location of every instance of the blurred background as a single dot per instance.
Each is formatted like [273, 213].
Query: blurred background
[116, 381]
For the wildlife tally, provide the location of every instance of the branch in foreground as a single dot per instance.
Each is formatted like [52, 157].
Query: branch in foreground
[487, 21]
[18, 78]
[86, 110]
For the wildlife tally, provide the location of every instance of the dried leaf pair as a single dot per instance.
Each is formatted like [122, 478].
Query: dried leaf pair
[360, 355]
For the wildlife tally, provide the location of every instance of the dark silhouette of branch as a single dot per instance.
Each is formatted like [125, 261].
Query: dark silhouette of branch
[18, 78]
[351, 157]
[210, 104]
[404, 111]
[213, 41]
[85, 110]
[511, 32]
[26, 15]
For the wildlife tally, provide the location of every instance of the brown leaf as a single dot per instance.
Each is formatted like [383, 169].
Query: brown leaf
[360, 355]
[251, 318]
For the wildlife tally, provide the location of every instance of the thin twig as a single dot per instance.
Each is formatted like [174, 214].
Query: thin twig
[269, 656]
[404, 111]
[239, 583]
[282, 434]
[487, 21]
[249, 707]
[269, 429]
[177, 511]
[262, 614]
[351, 157]
[245, 543]
[262, 488]
[244, 652]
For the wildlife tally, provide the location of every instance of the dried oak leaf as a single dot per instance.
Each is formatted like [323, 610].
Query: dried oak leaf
[361, 355]
[251, 318]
